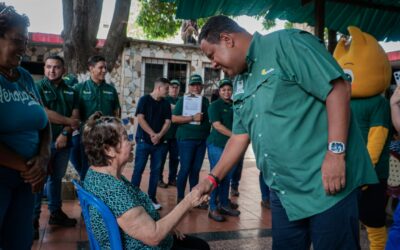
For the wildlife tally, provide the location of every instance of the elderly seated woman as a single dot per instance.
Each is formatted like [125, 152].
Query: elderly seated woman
[108, 150]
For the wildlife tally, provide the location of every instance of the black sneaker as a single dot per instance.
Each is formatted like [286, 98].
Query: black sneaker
[61, 219]
[235, 192]
[229, 211]
[35, 229]
[172, 183]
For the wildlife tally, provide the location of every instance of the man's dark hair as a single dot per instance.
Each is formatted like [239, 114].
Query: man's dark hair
[216, 25]
[9, 19]
[163, 80]
[93, 60]
[56, 57]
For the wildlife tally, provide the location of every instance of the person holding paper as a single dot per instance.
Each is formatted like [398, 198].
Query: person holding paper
[191, 134]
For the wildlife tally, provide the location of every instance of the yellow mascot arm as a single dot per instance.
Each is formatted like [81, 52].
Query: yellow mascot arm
[376, 141]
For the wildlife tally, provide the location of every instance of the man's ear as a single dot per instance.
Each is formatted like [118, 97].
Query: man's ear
[227, 39]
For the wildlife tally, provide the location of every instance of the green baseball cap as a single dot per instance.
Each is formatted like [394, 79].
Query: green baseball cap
[175, 82]
[195, 79]
[225, 81]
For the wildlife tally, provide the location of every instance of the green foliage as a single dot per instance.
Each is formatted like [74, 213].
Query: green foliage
[157, 19]
[288, 25]
[268, 24]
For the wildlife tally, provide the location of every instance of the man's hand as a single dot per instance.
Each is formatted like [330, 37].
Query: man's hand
[155, 138]
[205, 186]
[198, 117]
[333, 173]
[74, 123]
[37, 172]
[61, 141]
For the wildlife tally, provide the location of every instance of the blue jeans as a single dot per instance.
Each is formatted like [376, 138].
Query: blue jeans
[393, 241]
[59, 161]
[191, 154]
[237, 174]
[335, 228]
[172, 148]
[78, 157]
[16, 206]
[222, 191]
[142, 153]
[263, 188]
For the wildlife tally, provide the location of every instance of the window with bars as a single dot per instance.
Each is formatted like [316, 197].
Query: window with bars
[171, 69]
[211, 79]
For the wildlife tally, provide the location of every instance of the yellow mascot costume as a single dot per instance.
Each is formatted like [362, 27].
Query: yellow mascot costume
[366, 63]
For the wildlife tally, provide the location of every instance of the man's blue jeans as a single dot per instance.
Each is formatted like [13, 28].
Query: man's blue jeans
[191, 154]
[237, 174]
[393, 241]
[172, 148]
[78, 156]
[142, 153]
[222, 192]
[59, 161]
[335, 228]
[263, 188]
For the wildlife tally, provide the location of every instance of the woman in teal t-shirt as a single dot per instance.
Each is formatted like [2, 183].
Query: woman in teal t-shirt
[24, 135]
[108, 150]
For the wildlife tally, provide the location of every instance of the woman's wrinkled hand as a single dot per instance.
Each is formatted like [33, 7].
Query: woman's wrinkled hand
[37, 172]
[195, 198]
[178, 234]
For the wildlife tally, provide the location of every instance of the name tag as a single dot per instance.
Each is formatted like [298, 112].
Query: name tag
[239, 87]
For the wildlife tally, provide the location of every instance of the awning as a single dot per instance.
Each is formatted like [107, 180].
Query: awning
[381, 18]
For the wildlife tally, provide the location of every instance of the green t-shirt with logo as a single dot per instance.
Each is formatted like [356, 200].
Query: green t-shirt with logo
[96, 97]
[61, 99]
[172, 129]
[189, 131]
[220, 111]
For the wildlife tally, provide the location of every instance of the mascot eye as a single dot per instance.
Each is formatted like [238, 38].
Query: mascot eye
[349, 74]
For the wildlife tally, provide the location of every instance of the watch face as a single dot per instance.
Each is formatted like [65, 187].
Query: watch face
[336, 147]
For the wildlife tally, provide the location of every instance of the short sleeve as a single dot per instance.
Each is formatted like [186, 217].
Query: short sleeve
[213, 113]
[179, 107]
[306, 60]
[167, 110]
[381, 114]
[237, 126]
[116, 98]
[141, 107]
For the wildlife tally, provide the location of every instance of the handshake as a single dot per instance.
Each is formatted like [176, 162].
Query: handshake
[199, 194]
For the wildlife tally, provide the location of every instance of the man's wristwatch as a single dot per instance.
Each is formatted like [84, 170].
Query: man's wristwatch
[337, 147]
[64, 133]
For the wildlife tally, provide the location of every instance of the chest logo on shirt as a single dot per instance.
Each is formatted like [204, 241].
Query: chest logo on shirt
[239, 87]
[68, 92]
[85, 92]
[7, 96]
[265, 71]
[107, 92]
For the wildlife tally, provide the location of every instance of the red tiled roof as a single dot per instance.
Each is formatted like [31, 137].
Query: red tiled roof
[394, 56]
[55, 39]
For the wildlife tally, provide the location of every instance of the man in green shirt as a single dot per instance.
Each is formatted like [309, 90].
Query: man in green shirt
[191, 134]
[170, 137]
[95, 95]
[61, 105]
[292, 102]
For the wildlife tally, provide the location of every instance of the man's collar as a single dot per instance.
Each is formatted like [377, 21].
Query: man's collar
[251, 52]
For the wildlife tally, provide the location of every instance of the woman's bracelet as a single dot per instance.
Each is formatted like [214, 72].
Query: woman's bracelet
[214, 179]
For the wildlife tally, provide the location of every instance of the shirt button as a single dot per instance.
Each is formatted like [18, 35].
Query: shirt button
[259, 135]
[256, 115]
[250, 74]
[265, 155]
[253, 95]
[283, 192]
[274, 174]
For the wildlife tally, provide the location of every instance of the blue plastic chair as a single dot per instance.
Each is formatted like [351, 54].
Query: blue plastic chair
[87, 200]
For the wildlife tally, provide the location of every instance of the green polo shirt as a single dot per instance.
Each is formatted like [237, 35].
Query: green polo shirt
[189, 131]
[220, 111]
[280, 103]
[172, 129]
[96, 97]
[374, 112]
[61, 99]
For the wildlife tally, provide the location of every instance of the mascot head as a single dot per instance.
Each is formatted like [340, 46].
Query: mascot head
[365, 62]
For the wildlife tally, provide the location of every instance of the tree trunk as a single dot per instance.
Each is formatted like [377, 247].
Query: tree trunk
[81, 24]
[116, 37]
